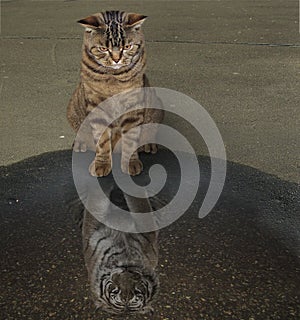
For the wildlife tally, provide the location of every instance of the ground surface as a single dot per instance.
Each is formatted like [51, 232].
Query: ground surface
[240, 60]
[239, 262]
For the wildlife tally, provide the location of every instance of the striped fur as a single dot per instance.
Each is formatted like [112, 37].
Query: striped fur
[113, 62]
[121, 266]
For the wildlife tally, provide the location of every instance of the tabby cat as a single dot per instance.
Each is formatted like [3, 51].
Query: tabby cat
[113, 62]
[121, 266]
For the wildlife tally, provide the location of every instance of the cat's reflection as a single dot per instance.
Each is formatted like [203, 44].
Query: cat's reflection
[121, 266]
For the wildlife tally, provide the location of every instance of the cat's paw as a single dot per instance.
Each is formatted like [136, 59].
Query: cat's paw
[79, 146]
[135, 167]
[149, 148]
[98, 169]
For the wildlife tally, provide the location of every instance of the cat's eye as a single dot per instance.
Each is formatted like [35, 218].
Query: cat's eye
[115, 291]
[128, 46]
[103, 49]
[137, 291]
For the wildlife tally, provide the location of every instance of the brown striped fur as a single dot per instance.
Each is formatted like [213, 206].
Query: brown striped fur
[113, 62]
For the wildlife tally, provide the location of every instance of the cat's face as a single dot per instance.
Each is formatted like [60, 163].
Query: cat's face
[114, 39]
[126, 292]
[110, 56]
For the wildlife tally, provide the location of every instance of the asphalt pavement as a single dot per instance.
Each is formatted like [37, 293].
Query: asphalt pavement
[239, 262]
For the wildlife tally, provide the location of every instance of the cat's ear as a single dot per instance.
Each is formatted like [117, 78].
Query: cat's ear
[135, 20]
[92, 22]
[148, 309]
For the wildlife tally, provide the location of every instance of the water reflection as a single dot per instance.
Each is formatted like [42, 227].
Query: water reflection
[121, 266]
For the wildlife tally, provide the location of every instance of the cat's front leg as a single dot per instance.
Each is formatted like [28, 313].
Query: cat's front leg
[79, 146]
[148, 135]
[102, 164]
[130, 162]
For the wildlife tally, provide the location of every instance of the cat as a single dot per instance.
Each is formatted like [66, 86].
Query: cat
[121, 265]
[113, 62]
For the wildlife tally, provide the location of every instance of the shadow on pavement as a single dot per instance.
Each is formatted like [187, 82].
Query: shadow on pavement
[239, 262]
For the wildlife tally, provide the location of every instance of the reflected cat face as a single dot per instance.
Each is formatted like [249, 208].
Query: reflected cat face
[126, 291]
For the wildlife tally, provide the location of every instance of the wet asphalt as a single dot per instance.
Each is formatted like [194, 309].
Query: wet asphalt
[239, 262]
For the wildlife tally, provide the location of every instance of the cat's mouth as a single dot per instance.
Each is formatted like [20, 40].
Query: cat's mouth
[117, 66]
[114, 66]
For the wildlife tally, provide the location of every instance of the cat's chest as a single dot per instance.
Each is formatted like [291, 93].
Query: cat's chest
[107, 88]
[125, 104]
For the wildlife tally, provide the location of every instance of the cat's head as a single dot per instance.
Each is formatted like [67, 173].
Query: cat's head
[114, 39]
[126, 290]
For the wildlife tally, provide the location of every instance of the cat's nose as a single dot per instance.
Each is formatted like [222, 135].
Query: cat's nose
[116, 55]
